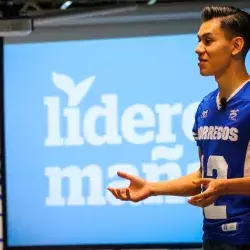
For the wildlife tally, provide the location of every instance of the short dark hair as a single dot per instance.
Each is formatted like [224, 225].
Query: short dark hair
[235, 21]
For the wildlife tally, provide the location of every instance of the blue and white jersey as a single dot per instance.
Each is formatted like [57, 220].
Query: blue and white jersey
[223, 134]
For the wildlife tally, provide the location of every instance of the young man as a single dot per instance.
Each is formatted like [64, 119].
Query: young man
[222, 132]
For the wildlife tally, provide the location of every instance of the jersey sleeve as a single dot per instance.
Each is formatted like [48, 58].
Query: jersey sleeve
[196, 125]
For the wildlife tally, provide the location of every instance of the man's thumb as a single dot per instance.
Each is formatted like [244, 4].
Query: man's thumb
[124, 175]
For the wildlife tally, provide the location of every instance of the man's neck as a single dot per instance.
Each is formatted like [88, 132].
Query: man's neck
[231, 79]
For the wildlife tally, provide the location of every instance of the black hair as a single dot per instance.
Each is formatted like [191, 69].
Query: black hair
[234, 21]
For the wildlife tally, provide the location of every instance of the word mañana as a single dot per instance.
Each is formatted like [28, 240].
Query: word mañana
[76, 186]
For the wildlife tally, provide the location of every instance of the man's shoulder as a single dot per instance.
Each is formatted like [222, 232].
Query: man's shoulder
[209, 97]
[206, 102]
[245, 93]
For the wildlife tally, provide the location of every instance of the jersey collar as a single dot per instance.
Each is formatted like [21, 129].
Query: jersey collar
[232, 95]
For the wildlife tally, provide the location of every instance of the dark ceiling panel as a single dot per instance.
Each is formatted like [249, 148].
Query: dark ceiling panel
[10, 8]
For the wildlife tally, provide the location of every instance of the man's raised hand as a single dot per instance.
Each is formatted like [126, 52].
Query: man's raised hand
[138, 189]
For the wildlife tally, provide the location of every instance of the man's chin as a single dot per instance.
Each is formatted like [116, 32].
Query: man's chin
[205, 73]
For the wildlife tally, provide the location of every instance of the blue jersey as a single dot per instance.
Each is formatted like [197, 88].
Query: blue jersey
[223, 134]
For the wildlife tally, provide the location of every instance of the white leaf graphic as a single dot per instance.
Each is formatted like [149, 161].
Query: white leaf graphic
[75, 93]
[63, 82]
[81, 90]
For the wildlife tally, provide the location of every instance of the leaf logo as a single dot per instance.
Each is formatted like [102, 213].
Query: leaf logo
[76, 93]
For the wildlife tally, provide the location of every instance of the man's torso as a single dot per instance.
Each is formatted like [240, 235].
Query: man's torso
[223, 135]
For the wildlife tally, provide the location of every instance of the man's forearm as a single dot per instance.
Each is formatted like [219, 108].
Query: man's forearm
[237, 186]
[182, 186]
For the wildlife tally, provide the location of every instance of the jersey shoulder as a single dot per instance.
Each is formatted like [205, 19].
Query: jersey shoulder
[244, 93]
[208, 100]
[211, 96]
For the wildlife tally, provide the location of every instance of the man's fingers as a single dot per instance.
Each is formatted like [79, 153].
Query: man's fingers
[192, 203]
[121, 194]
[202, 199]
[114, 192]
[202, 196]
[207, 202]
[201, 181]
[204, 203]
[128, 194]
[197, 197]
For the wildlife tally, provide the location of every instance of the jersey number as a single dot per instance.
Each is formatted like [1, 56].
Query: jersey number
[219, 164]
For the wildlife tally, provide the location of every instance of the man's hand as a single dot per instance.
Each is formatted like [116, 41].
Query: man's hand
[213, 189]
[138, 189]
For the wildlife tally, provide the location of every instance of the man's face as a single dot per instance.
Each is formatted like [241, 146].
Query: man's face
[214, 48]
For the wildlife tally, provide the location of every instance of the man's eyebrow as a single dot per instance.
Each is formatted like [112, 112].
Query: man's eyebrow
[205, 34]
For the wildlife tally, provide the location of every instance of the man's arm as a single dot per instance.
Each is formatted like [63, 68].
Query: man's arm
[140, 189]
[182, 186]
[237, 186]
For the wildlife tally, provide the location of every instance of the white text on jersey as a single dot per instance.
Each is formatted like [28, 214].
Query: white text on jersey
[217, 133]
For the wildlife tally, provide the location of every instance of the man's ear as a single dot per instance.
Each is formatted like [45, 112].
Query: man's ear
[237, 45]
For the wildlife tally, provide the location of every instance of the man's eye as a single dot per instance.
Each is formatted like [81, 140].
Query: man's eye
[208, 41]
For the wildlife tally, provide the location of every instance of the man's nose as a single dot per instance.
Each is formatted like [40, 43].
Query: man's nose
[199, 49]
